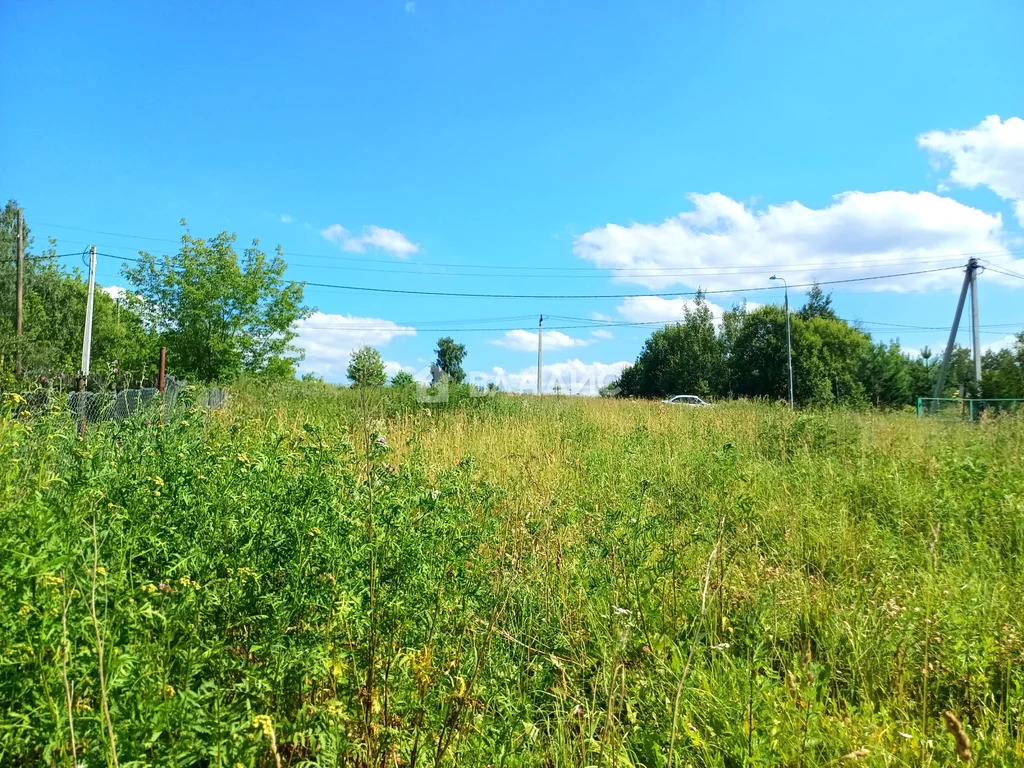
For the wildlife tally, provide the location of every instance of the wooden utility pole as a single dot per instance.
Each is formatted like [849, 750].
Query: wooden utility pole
[540, 351]
[970, 281]
[18, 301]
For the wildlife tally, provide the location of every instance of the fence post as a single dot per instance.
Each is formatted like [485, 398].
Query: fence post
[970, 407]
[82, 407]
[919, 407]
[161, 380]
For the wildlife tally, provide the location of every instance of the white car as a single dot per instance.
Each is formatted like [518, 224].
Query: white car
[687, 400]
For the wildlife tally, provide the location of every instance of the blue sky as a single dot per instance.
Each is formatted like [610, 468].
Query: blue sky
[538, 147]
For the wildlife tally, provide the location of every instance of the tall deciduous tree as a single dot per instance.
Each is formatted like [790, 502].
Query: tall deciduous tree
[758, 354]
[366, 368]
[219, 315]
[683, 358]
[1002, 372]
[402, 379]
[53, 317]
[449, 359]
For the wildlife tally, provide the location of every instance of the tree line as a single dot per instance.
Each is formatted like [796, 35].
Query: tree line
[834, 362]
[219, 313]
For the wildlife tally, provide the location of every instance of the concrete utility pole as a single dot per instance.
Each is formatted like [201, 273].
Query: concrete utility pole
[18, 301]
[970, 281]
[540, 350]
[789, 343]
[87, 335]
[975, 329]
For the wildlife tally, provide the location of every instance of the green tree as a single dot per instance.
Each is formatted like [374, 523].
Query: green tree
[921, 371]
[886, 376]
[683, 358]
[366, 368]
[449, 359]
[1002, 372]
[758, 354]
[219, 315]
[819, 304]
[53, 321]
[402, 379]
[960, 377]
[840, 348]
[827, 355]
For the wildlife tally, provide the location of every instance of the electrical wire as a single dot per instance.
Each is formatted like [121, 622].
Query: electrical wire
[626, 271]
[417, 268]
[1008, 272]
[665, 294]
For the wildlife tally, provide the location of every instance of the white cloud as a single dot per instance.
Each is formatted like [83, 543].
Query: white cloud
[328, 341]
[371, 238]
[655, 309]
[286, 219]
[600, 333]
[116, 292]
[1006, 342]
[391, 368]
[724, 243]
[991, 154]
[526, 341]
[573, 377]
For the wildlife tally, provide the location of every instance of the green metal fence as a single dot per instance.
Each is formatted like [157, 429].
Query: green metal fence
[969, 408]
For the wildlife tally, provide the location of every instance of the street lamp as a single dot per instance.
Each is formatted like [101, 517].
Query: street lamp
[789, 344]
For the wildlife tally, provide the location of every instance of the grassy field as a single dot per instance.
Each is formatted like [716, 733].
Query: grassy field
[305, 579]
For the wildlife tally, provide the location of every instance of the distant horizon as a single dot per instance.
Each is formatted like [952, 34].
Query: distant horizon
[534, 150]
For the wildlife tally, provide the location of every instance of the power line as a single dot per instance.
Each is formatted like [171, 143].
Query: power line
[1008, 272]
[110, 234]
[724, 272]
[407, 329]
[417, 268]
[667, 294]
[633, 271]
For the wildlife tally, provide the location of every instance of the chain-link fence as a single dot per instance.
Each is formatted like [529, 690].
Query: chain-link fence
[120, 404]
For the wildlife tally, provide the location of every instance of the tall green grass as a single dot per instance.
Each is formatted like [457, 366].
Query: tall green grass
[315, 578]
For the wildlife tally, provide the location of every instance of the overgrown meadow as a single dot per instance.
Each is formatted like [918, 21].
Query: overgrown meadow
[314, 577]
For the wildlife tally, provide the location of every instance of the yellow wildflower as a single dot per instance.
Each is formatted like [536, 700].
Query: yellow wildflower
[264, 723]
